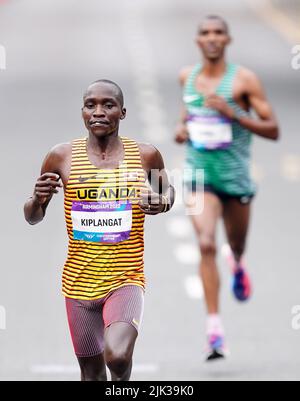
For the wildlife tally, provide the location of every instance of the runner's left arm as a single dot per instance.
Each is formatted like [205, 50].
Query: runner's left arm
[266, 125]
[160, 195]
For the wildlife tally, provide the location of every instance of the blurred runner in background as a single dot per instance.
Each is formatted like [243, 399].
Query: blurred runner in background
[217, 127]
[106, 200]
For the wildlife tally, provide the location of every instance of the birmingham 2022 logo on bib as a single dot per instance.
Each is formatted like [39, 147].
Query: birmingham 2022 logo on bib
[2, 318]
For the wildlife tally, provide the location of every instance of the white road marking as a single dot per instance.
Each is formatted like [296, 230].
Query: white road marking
[194, 287]
[145, 368]
[2, 58]
[187, 254]
[74, 369]
[2, 318]
[179, 227]
[290, 168]
[55, 369]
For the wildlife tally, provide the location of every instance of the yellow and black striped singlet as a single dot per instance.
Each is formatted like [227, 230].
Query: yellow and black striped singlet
[104, 223]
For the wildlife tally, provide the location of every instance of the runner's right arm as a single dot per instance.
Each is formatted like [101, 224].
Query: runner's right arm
[46, 185]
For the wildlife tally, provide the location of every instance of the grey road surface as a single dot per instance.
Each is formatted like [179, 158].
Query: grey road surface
[54, 49]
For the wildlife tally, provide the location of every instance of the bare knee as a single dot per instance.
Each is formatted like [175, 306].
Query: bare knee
[208, 246]
[118, 361]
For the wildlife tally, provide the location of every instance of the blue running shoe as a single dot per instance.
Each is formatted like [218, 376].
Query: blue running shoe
[241, 286]
[241, 283]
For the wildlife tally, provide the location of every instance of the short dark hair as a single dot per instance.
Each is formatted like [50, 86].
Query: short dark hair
[213, 17]
[120, 94]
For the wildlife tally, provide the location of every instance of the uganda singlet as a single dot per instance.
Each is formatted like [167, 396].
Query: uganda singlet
[105, 225]
[217, 146]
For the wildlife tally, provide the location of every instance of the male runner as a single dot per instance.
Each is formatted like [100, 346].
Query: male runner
[106, 200]
[218, 129]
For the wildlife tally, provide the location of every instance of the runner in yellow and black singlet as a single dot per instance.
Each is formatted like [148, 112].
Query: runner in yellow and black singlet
[110, 183]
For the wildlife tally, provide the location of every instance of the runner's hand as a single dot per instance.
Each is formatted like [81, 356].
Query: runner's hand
[45, 187]
[151, 203]
[181, 133]
[219, 103]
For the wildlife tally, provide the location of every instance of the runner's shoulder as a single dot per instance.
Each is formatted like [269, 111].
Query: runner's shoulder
[57, 159]
[185, 73]
[247, 76]
[150, 155]
[61, 151]
[147, 150]
[59, 156]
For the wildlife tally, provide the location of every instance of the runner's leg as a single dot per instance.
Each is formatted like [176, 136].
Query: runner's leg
[120, 340]
[236, 221]
[122, 313]
[205, 225]
[87, 331]
[92, 368]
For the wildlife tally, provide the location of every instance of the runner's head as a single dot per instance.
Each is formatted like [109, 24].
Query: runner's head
[103, 108]
[213, 37]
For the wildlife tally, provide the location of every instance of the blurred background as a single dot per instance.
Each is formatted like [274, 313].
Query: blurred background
[54, 49]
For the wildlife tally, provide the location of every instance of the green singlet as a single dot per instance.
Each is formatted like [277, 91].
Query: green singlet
[217, 146]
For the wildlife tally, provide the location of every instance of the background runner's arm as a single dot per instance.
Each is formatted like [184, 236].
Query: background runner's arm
[46, 185]
[181, 132]
[267, 125]
[183, 116]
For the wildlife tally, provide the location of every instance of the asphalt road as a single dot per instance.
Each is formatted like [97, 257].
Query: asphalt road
[54, 49]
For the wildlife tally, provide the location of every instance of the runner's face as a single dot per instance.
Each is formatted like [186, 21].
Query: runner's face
[212, 39]
[102, 109]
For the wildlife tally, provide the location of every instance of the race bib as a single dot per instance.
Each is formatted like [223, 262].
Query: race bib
[210, 132]
[104, 222]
